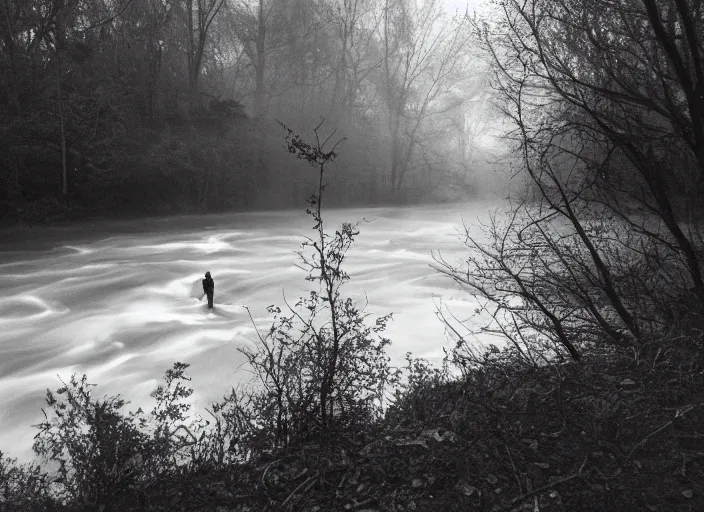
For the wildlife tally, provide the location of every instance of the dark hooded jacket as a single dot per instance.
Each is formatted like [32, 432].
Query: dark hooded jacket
[208, 285]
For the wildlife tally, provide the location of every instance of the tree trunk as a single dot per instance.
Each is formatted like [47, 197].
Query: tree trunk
[390, 103]
[336, 109]
[190, 48]
[10, 43]
[261, 61]
[692, 86]
[64, 173]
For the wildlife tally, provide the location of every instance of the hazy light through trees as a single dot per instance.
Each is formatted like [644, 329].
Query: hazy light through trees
[160, 107]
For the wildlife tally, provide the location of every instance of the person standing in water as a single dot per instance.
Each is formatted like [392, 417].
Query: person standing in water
[209, 288]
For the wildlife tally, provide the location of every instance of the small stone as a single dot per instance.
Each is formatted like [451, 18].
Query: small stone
[498, 490]
[532, 444]
[440, 435]
[491, 479]
[417, 482]
[135, 461]
[689, 493]
[466, 489]
[628, 383]
[361, 488]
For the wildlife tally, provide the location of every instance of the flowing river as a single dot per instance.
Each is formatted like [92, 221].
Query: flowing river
[111, 299]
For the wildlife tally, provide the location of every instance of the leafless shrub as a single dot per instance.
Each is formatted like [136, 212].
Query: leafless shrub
[322, 366]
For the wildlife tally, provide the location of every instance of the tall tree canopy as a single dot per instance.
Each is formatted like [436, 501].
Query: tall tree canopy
[178, 99]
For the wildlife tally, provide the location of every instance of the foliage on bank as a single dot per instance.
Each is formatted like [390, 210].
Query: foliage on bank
[603, 435]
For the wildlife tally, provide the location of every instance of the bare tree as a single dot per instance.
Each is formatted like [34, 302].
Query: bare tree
[599, 95]
[11, 13]
[622, 90]
[56, 37]
[422, 49]
[252, 29]
[199, 16]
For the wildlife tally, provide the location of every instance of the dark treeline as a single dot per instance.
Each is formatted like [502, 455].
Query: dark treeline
[158, 106]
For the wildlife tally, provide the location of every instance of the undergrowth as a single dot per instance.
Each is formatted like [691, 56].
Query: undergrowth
[605, 434]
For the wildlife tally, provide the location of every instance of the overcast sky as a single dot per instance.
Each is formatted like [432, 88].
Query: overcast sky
[454, 5]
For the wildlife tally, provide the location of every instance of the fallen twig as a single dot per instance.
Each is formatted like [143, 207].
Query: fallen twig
[310, 480]
[679, 413]
[515, 471]
[545, 487]
[266, 471]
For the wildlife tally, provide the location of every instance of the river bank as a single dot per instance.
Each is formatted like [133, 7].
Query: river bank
[600, 435]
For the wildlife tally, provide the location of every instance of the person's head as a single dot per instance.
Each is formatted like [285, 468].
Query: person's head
[207, 274]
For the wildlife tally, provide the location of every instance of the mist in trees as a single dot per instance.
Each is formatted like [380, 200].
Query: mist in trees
[164, 106]
[605, 247]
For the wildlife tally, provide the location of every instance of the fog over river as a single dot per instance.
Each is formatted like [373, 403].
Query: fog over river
[111, 299]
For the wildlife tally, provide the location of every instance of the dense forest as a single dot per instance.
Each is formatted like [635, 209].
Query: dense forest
[591, 280]
[158, 106]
